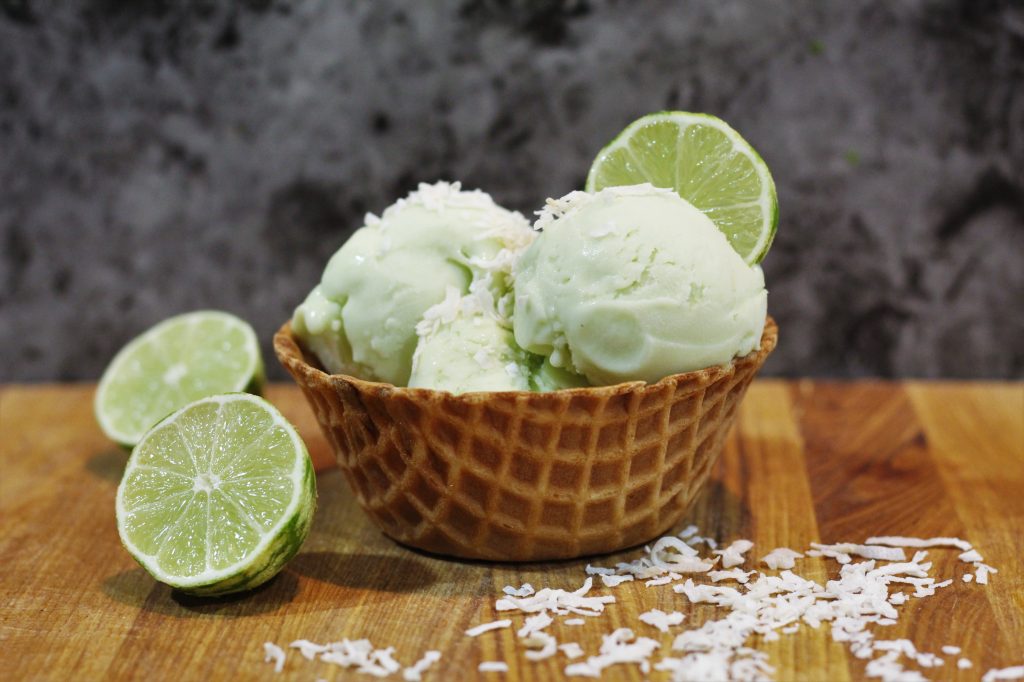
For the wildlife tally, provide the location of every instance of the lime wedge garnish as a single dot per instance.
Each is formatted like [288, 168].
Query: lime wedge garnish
[707, 163]
[179, 360]
[218, 496]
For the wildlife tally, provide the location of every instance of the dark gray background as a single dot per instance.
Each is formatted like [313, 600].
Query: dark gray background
[157, 157]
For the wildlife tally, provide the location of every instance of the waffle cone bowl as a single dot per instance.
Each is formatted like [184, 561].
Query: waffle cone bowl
[523, 476]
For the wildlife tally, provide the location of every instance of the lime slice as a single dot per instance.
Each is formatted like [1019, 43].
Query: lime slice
[707, 163]
[218, 496]
[179, 360]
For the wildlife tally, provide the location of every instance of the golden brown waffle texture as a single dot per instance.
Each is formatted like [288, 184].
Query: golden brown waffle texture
[521, 476]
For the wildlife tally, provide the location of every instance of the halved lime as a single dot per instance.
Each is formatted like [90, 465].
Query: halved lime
[218, 496]
[179, 360]
[707, 163]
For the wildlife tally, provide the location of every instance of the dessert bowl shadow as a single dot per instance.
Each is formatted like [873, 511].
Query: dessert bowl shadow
[526, 476]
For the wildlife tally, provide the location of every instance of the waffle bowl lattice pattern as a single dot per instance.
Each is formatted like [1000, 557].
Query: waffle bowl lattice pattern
[519, 476]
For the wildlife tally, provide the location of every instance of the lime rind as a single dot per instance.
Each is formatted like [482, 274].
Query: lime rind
[123, 381]
[147, 538]
[705, 149]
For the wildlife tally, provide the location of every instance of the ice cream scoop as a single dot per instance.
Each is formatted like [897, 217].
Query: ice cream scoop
[634, 283]
[464, 348]
[361, 319]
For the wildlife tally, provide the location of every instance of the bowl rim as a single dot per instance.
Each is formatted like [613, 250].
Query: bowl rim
[291, 353]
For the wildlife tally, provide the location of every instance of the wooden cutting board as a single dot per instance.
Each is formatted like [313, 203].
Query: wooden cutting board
[808, 461]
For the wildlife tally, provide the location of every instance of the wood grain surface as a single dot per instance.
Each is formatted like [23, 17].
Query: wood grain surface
[808, 461]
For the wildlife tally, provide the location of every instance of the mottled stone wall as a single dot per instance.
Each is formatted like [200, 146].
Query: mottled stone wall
[159, 156]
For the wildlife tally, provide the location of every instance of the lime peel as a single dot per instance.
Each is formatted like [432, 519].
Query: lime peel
[707, 163]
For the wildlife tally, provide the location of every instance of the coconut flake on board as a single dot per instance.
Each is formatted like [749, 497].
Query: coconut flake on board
[919, 543]
[487, 627]
[571, 650]
[737, 574]
[1014, 673]
[525, 591]
[414, 673]
[733, 554]
[661, 620]
[781, 557]
[540, 645]
[274, 654]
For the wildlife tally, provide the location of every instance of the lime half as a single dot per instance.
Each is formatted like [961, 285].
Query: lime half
[218, 496]
[707, 163]
[179, 360]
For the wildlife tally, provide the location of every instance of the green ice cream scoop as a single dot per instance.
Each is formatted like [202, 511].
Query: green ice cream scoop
[361, 319]
[634, 283]
[464, 350]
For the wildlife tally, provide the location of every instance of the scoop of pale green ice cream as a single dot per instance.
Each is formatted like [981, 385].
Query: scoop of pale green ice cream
[464, 348]
[634, 283]
[361, 319]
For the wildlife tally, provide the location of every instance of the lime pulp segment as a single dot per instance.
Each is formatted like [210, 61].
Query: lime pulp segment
[708, 163]
[217, 497]
[182, 359]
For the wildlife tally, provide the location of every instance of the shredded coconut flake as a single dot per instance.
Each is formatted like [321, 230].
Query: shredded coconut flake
[274, 654]
[866, 551]
[493, 667]
[840, 557]
[540, 645]
[414, 673]
[1014, 673]
[599, 570]
[733, 554]
[571, 650]
[615, 580]
[487, 627]
[737, 574]
[900, 541]
[534, 624]
[309, 650]
[660, 619]
[663, 580]
[781, 557]
[525, 591]
[981, 574]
